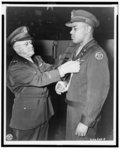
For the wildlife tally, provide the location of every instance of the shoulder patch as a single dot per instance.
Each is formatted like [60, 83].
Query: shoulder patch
[99, 56]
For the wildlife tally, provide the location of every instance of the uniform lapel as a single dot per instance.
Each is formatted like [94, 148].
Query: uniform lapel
[85, 50]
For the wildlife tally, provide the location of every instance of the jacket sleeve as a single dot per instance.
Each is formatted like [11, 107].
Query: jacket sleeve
[31, 77]
[42, 65]
[97, 88]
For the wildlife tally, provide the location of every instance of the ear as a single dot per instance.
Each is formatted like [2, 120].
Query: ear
[89, 28]
[16, 49]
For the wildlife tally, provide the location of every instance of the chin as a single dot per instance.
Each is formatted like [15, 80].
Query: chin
[33, 52]
[75, 42]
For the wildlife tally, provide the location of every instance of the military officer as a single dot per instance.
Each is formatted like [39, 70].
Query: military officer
[28, 78]
[88, 89]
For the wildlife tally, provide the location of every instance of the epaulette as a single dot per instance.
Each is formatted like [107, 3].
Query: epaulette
[13, 62]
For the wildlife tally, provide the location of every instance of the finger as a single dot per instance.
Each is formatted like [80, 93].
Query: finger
[58, 93]
[78, 59]
[78, 133]
[82, 134]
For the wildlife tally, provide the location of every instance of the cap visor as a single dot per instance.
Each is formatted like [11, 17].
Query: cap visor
[69, 24]
[26, 38]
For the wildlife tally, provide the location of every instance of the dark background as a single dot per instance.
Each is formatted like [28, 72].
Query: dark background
[48, 23]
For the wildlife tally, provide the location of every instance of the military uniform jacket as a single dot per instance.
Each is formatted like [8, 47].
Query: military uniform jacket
[28, 82]
[88, 88]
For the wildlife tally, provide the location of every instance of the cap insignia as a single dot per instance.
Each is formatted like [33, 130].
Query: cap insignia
[25, 30]
[72, 14]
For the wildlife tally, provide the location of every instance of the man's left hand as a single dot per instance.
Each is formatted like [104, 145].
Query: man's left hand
[61, 87]
[81, 129]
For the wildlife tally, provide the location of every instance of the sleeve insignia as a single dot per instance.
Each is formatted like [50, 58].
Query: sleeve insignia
[99, 56]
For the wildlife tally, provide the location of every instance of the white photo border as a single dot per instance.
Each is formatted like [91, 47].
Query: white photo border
[5, 143]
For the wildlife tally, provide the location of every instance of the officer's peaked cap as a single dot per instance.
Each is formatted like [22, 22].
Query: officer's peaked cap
[19, 34]
[83, 16]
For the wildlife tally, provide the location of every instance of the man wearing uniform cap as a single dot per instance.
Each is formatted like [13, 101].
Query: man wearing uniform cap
[86, 90]
[28, 78]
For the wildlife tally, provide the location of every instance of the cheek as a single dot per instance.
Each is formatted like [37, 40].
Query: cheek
[79, 36]
[25, 50]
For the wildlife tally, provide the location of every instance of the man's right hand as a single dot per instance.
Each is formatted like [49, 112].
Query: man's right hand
[69, 67]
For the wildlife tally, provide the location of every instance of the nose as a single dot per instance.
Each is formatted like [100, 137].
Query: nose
[30, 43]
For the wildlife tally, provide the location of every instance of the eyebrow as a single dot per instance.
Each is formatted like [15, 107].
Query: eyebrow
[76, 27]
